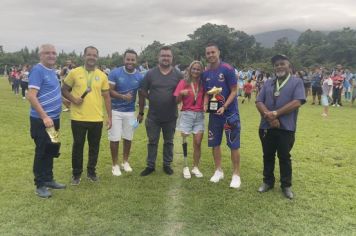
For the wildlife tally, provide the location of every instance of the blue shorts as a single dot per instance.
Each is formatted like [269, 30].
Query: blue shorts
[232, 127]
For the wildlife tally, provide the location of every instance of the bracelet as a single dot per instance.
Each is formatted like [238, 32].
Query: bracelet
[141, 113]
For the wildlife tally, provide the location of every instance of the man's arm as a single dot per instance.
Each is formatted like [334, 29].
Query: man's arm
[67, 95]
[286, 109]
[115, 94]
[228, 101]
[142, 95]
[107, 101]
[32, 97]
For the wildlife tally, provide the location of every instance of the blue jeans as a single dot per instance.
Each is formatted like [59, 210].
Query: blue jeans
[153, 130]
[43, 161]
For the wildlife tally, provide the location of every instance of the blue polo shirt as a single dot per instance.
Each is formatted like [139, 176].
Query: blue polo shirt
[292, 90]
[125, 82]
[222, 77]
[49, 96]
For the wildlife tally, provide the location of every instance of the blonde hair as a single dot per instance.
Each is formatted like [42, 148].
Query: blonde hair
[187, 74]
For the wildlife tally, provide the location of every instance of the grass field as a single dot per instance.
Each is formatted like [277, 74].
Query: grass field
[324, 165]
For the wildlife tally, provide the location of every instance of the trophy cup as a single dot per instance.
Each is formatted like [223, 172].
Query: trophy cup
[52, 148]
[213, 104]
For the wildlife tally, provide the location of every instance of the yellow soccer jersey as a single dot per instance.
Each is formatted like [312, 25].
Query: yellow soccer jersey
[92, 107]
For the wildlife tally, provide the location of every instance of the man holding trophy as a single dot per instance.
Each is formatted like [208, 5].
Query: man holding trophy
[220, 101]
[46, 104]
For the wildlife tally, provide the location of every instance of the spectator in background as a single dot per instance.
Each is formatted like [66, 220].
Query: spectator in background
[327, 86]
[316, 85]
[24, 80]
[247, 91]
[338, 81]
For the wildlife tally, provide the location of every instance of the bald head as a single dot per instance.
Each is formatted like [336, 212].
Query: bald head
[48, 55]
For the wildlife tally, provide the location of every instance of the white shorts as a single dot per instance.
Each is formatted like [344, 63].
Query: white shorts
[191, 122]
[121, 127]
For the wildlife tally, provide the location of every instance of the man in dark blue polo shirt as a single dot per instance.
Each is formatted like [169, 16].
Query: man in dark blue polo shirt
[278, 104]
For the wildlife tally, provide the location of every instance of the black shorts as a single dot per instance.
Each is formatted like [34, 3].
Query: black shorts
[316, 91]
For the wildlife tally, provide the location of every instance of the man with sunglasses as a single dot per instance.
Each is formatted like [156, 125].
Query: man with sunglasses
[278, 104]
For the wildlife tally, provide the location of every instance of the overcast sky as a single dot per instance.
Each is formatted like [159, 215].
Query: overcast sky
[114, 25]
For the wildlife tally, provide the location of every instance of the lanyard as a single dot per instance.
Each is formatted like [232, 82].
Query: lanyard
[279, 87]
[89, 77]
[195, 92]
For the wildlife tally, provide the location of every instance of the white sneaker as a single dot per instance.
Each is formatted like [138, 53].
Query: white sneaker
[186, 173]
[116, 170]
[196, 172]
[126, 166]
[235, 181]
[334, 105]
[324, 114]
[218, 175]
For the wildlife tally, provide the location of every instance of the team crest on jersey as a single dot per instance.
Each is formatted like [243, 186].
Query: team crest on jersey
[97, 78]
[208, 79]
[221, 77]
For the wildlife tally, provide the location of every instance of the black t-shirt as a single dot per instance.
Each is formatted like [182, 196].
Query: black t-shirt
[160, 89]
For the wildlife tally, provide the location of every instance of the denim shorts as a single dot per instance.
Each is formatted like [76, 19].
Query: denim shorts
[191, 122]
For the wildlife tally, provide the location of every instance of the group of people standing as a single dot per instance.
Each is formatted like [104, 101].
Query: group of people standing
[18, 77]
[89, 90]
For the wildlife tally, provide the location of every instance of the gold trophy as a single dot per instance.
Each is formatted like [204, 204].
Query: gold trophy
[53, 147]
[213, 104]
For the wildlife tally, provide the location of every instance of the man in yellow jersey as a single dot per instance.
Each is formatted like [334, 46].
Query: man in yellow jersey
[85, 86]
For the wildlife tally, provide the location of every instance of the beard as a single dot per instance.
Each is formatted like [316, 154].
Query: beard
[281, 74]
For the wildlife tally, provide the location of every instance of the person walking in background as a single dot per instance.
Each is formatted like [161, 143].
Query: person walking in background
[327, 86]
[24, 80]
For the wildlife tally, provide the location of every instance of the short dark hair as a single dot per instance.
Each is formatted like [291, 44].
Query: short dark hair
[212, 45]
[165, 48]
[90, 47]
[130, 51]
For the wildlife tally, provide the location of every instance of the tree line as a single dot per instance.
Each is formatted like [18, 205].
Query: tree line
[313, 48]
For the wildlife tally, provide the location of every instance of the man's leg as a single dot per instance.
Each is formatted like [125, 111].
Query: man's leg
[127, 149]
[94, 136]
[168, 130]
[235, 159]
[285, 144]
[79, 131]
[114, 149]
[217, 157]
[269, 147]
[153, 130]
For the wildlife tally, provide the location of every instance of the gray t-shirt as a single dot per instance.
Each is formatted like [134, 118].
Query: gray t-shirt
[160, 89]
[293, 90]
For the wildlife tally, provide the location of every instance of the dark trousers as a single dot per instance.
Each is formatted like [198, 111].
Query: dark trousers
[153, 130]
[337, 95]
[81, 129]
[43, 161]
[24, 87]
[280, 141]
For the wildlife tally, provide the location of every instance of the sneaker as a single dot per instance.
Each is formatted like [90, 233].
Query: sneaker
[324, 115]
[334, 105]
[338, 105]
[168, 170]
[218, 175]
[116, 170]
[75, 181]
[147, 171]
[92, 177]
[54, 185]
[126, 166]
[235, 181]
[196, 172]
[186, 173]
[23, 98]
[43, 192]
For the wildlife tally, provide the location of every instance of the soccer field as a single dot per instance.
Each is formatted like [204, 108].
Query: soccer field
[324, 173]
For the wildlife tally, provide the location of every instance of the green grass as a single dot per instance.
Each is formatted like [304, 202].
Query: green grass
[324, 183]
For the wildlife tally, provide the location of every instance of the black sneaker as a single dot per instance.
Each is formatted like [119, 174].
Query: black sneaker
[147, 171]
[54, 185]
[75, 180]
[43, 192]
[168, 170]
[92, 177]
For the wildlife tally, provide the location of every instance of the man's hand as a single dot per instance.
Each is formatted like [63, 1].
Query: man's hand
[220, 111]
[109, 123]
[139, 118]
[127, 97]
[78, 101]
[270, 116]
[274, 123]
[48, 122]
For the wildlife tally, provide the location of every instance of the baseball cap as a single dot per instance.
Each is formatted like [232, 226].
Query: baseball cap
[279, 57]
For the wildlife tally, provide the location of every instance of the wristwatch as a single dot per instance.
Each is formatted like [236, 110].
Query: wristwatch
[274, 113]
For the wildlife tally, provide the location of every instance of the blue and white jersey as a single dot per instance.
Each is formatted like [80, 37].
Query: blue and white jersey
[124, 83]
[49, 95]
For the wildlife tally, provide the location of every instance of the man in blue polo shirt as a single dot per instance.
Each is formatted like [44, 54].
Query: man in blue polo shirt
[222, 75]
[278, 104]
[45, 97]
[124, 84]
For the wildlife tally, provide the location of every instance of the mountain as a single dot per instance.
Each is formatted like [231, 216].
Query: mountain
[267, 39]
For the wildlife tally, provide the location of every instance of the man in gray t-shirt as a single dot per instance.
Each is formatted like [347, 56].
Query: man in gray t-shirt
[158, 86]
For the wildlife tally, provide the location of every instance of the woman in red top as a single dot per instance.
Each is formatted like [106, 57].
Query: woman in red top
[190, 92]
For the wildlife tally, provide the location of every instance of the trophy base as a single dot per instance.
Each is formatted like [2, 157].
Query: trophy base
[213, 106]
